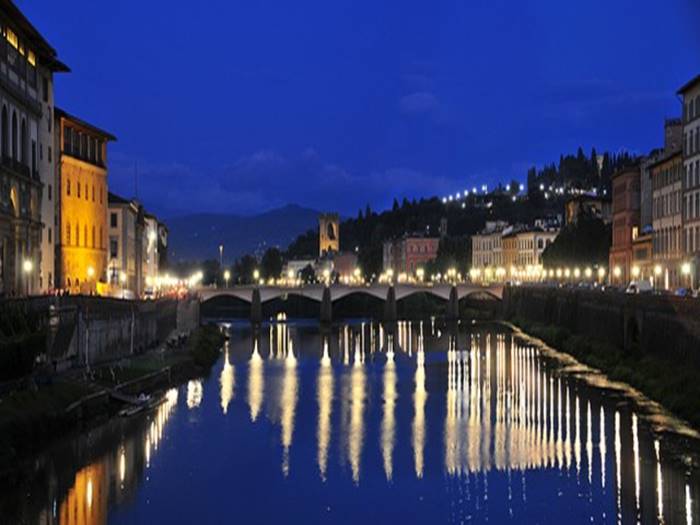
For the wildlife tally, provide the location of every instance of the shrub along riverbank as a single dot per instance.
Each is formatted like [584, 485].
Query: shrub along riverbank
[31, 417]
[673, 385]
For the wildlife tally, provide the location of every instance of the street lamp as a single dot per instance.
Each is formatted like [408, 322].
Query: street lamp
[227, 276]
[221, 255]
[27, 267]
[256, 275]
[91, 275]
[686, 270]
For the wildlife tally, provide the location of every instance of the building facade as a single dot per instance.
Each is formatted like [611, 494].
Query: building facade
[593, 206]
[626, 219]
[409, 253]
[531, 245]
[487, 246]
[27, 65]
[691, 179]
[328, 233]
[81, 262]
[123, 252]
[667, 213]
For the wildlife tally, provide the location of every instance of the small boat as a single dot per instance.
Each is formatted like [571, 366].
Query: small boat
[140, 404]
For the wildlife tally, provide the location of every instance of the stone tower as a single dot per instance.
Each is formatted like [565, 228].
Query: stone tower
[328, 233]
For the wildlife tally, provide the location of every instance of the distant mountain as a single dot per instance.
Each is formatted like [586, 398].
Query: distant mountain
[198, 236]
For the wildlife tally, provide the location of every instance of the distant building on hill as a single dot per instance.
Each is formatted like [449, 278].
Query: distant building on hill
[591, 205]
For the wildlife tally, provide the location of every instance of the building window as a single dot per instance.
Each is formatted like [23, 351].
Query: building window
[77, 234]
[113, 248]
[93, 236]
[49, 235]
[78, 184]
[113, 220]
[49, 190]
[85, 235]
[93, 193]
[50, 152]
[45, 88]
[68, 234]
[102, 246]
[68, 187]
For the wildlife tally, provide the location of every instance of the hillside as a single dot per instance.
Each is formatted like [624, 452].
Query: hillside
[198, 236]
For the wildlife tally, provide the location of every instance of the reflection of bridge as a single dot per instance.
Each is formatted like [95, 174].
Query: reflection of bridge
[377, 300]
[338, 291]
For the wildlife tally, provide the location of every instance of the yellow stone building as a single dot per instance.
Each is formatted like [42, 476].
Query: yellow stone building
[81, 262]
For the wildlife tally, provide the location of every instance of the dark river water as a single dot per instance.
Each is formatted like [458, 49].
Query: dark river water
[295, 425]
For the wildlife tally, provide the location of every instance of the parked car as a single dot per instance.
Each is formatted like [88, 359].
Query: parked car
[636, 287]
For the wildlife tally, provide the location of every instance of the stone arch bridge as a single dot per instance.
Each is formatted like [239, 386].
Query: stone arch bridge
[327, 298]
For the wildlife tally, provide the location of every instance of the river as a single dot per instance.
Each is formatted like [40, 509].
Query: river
[352, 425]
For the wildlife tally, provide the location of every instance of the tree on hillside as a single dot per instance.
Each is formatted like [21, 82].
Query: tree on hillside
[272, 263]
[585, 243]
[243, 269]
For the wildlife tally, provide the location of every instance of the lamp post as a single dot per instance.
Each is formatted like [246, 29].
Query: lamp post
[122, 281]
[227, 276]
[27, 268]
[91, 275]
[686, 269]
[256, 275]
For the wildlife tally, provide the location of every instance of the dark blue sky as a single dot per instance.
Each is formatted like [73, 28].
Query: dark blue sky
[241, 106]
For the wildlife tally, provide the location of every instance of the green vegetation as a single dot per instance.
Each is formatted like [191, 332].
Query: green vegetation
[33, 416]
[29, 417]
[672, 384]
[585, 243]
[22, 339]
[205, 345]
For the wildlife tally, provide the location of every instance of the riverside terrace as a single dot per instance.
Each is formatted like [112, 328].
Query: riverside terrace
[378, 301]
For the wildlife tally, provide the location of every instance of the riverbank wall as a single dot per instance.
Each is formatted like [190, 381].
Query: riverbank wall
[665, 326]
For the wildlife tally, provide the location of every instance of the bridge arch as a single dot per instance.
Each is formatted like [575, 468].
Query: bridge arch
[357, 304]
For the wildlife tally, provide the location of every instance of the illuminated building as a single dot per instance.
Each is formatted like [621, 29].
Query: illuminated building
[328, 233]
[667, 190]
[487, 246]
[82, 176]
[691, 180]
[122, 253]
[593, 206]
[626, 208]
[409, 253]
[27, 65]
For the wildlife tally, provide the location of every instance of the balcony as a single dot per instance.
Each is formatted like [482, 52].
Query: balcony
[16, 166]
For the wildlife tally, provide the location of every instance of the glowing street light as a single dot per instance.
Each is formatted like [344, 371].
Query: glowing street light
[617, 272]
[256, 275]
[635, 271]
[27, 267]
[658, 270]
[227, 276]
[420, 273]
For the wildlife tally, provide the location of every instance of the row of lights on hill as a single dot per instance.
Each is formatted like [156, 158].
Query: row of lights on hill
[484, 190]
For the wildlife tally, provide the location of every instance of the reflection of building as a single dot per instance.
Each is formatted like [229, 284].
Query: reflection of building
[409, 253]
[667, 214]
[27, 64]
[82, 178]
[626, 206]
[328, 233]
[691, 161]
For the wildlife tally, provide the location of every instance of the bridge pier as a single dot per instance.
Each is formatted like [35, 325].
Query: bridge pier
[390, 312]
[326, 306]
[452, 313]
[256, 307]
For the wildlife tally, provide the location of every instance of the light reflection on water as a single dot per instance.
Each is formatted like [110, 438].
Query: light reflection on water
[476, 423]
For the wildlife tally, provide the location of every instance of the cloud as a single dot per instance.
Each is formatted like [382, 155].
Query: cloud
[267, 179]
[420, 102]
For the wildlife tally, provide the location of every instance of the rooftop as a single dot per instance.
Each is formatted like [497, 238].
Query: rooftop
[689, 85]
[61, 113]
[43, 49]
